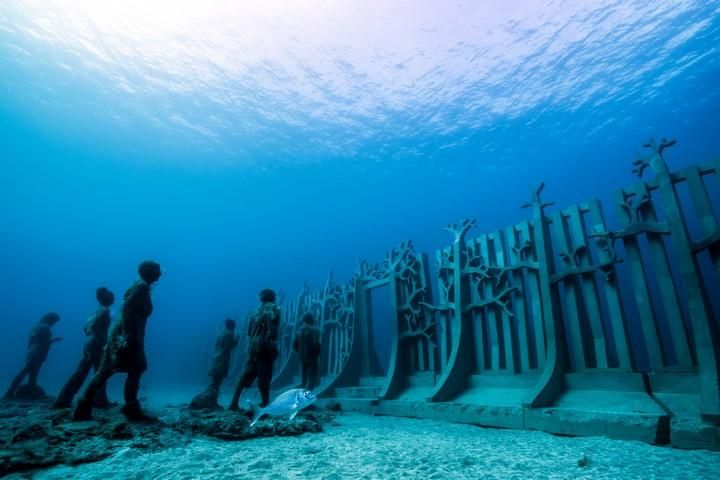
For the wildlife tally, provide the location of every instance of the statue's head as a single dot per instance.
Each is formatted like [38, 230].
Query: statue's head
[104, 297]
[149, 271]
[266, 295]
[50, 318]
[308, 318]
[230, 324]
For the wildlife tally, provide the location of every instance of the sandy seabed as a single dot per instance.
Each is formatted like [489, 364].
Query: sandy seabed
[360, 446]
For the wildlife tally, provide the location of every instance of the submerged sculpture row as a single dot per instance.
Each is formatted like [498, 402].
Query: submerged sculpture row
[560, 314]
[536, 318]
[122, 350]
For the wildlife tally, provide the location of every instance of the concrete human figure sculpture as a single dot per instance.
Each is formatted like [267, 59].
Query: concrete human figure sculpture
[308, 347]
[41, 339]
[96, 328]
[226, 342]
[125, 350]
[262, 349]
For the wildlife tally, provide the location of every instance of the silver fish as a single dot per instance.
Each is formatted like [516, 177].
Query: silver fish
[289, 402]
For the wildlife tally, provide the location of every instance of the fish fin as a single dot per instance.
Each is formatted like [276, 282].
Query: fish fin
[252, 406]
[292, 415]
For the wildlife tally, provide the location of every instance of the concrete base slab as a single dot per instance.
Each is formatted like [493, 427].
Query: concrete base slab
[609, 402]
[506, 397]
[693, 434]
[681, 405]
[687, 430]
[371, 381]
[415, 394]
[357, 392]
[482, 415]
[622, 410]
[648, 428]
[361, 405]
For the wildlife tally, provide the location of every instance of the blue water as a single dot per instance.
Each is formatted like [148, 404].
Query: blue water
[260, 146]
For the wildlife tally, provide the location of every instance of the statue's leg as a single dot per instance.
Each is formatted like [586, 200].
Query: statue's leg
[132, 410]
[303, 374]
[71, 387]
[264, 374]
[16, 382]
[215, 384]
[33, 372]
[312, 375]
[101, 399]
[244, 381]
[83, 409]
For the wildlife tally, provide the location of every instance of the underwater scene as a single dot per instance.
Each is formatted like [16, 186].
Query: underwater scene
[359, 239]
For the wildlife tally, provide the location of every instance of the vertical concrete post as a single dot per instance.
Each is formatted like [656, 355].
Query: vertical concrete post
[550, 385]
[455, 375]
[707, 355]
[393, 376]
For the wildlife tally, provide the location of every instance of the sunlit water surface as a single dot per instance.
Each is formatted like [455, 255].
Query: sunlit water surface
[254, 144]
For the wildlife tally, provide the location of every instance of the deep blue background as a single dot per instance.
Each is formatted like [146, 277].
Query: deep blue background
[81, 203]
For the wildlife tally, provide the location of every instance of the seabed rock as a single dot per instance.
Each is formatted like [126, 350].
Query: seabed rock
[34, 436]
[227, 425]
[334, 406]
[584, 461]
[205, 401]
[31, 392]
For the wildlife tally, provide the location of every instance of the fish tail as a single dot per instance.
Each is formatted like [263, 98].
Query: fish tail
[257, 412]
[255, 418]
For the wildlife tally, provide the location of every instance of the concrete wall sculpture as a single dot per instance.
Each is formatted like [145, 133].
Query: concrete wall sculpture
[559, 323]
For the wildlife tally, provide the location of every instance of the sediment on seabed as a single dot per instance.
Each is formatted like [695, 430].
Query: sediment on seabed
[349, 445]
[34, 436]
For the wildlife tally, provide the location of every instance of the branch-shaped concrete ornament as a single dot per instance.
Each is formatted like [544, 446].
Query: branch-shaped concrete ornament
[608, 271]
[658, 148]
[473, 256]
[438, 308]
[639, 166]
[522, 250]
[459, 230]
[642, 163]
[397, 256]
[573, 257]
[497, 300]
[410, 267]
[536, 200]
[443, 260]
[605, 241]
[634, 210]
[367, 272]
[476, 282]
[410, 305]
[446, 285]
[362, 269]
[329, 282]
[413, 330]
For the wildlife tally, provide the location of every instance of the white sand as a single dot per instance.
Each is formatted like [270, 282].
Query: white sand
[386, 447]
